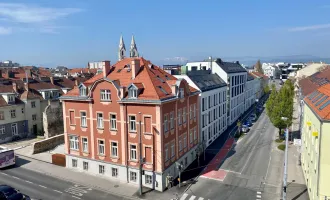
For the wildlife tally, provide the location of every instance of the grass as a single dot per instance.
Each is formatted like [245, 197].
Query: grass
[279, 140]
[281, 147]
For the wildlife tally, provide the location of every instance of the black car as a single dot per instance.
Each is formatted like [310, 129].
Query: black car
[10, 193]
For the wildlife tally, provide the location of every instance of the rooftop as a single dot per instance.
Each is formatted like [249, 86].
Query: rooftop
[319, 102]
[311, 83]
[230, 67]
[205, 80]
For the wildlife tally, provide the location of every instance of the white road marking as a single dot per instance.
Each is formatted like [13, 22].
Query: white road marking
[29, 182]
[42, 186]
[184, 196]
[258, 192]
[258, 196]
[15, 177]
[76, 197]
[4, 174]
[192, 197]
[232, 171]
[200, 198]
[57, 191]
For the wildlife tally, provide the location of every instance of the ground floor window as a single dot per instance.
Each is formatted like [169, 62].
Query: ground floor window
[74, 163]
[133, 176]
[101, 169]
[148, 179]
[85, 165]
[114, 172]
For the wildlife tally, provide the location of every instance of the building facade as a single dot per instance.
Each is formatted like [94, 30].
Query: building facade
[250, 97]
[315, 139]
[105, 117]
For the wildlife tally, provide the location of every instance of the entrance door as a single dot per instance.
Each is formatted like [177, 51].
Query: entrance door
[35, 129]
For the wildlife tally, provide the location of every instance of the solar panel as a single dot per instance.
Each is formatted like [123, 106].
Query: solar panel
[311, 96]
[317, 98]
[325, 105]
[319, 102]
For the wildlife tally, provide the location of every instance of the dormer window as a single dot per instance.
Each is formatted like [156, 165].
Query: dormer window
[132, 93]
[105, 95]
[82, 90]
[181, 93]
[11, 98]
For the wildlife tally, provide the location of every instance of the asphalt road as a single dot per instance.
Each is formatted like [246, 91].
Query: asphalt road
[41, 186]
[247, 165]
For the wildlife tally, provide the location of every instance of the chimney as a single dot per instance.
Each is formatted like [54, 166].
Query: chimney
[106, 68]
[135, 67]
[51, 80]
[174, 89]
[76, 82]
[15, 87]
[26, 86]
[122, 92]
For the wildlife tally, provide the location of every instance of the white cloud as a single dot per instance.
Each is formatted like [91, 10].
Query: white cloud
[30, 15]
[5, 31]
[309, 28]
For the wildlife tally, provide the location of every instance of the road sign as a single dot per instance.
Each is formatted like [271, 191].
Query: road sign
[297, 142]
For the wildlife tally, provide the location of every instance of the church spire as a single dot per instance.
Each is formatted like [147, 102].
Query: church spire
[133, 50]
[122, 49]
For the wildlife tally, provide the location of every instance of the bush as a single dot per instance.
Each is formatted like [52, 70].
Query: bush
[279, 140]
[281, 147]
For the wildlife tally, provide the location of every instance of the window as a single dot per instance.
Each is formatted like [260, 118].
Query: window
[100, 120]
[184, 116]
[34, 117]
[191, 112]
[14, 129]
[85, 165]
[13, 113]
[195, 133]
[132, 123]
[179, 117]
[194, 111]
[114, 149]
[148, 179]
[114, 172]
[83, 119]
[85, 144]
[166, 153]
[132, 93]
[172, 150]
[203, 104]
[184, 141]
[113, 122]
[2, 130]
[191, 136]
[172, 120]
[180, 145]
[22, 110]
[101, 169]
[133, 152]
[105, 95]
[47, 95]
[11, 98]
[74, 163]
[2, 115]
[72, 117]
[132, 176]
[82, 91]
[74, 142]
[101, 147]
[181, 93]
[165, 123]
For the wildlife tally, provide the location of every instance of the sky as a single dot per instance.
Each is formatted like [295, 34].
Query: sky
[73, 32]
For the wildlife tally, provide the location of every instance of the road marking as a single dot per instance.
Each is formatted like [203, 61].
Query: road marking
[192, 197]
[258, 192]
[4, 174]
[184, 196]
[57, 191]
[76, 197]
[232, 171]
[42, 186]
[29, 182]
[15, 177]
[258, 196]
[200, 198]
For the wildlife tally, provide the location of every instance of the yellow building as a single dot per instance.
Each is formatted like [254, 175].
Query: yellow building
[315, 150]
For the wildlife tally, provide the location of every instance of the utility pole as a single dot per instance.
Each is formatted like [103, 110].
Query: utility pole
[140, 155]
[179, 166]
[285, 177]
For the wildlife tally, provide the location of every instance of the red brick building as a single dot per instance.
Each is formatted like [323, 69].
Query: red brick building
[105, 116]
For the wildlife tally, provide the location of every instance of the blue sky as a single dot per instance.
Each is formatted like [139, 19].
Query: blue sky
[73, 32]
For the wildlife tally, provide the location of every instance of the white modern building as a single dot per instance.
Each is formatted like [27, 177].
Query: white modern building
[250, 94]
[213, 106]
[235, 77]
[271, 70]
[98, 65]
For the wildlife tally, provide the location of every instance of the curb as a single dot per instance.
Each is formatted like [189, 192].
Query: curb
[69, 180]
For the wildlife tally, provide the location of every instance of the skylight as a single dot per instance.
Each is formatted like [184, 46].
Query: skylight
[319, 102]
[162, 89]
[325, 105]
[160, 79]
[317, 98]
[311, 96]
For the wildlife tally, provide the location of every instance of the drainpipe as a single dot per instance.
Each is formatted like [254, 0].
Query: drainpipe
[126, 126]
[318, 164]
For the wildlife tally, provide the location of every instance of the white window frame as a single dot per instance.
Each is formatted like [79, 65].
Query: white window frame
[11, 98]
[13, 113]
[101, 147]
[172, 149]
[74, 142]
[85, 165]
[34, 117]
[101, 169]
[133, 152]
[83, 119]
[166, 153]
[114, 149]
[82, 91]
[100, 120]
[113, 122]
[2, 130]
[194, 111]
[74, 163]
[191, 136]
[132, 123]
[172, 120]
[132, 93]
[181, 93]
[191, 112]
[165, 123]
[84, 142]
[184, 115]
[105, 95]
[179, 117]
[132, 176]
[14, 129]
[2, 115]
[114, 172]
[148, 179]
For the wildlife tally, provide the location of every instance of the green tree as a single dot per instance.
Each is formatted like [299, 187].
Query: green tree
[258, 67]
[270, 103]
[266, 89]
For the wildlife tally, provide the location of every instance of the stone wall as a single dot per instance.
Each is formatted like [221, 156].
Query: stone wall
[53, 119]
[48, 144]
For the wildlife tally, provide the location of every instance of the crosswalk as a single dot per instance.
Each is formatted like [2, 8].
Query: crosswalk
[186, 196]
[258, 197]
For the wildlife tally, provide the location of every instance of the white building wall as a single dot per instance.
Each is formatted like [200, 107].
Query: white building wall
[19, 111]
[33, 111]
[249, 94]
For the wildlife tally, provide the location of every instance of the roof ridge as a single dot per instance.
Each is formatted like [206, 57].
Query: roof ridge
[146, 67]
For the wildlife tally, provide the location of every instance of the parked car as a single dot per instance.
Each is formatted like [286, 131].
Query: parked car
[10, 193]
[245, 129]
[247, 123]
[253, 117]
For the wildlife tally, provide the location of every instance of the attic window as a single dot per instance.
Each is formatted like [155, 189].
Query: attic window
[181, 93]
[82, 91]
[132, 93]
[11, 98]
[118, 70]
[160, 79]
[167, 78]
[162, 89]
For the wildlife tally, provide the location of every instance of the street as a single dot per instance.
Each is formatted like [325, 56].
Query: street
[41, 186]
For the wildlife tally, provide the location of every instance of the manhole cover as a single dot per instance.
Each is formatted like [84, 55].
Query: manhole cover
[116, 186]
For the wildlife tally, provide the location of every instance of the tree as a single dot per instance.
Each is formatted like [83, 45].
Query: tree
[258, 67]
[270, 103]
[266, 89]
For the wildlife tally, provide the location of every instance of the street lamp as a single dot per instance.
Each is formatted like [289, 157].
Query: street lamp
[255, 106]
[285, 177]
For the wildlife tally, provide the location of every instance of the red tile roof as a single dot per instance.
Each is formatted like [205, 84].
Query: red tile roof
[317, 106]
[311, 83]
[259, 75]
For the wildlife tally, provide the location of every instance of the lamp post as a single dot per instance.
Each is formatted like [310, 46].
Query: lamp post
[255, 106]
[285, 177]
[140, 155]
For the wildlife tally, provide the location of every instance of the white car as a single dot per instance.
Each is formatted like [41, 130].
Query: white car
[245, 129]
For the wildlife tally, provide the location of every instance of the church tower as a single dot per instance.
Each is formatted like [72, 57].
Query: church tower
[133, 50]
[122, 49]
